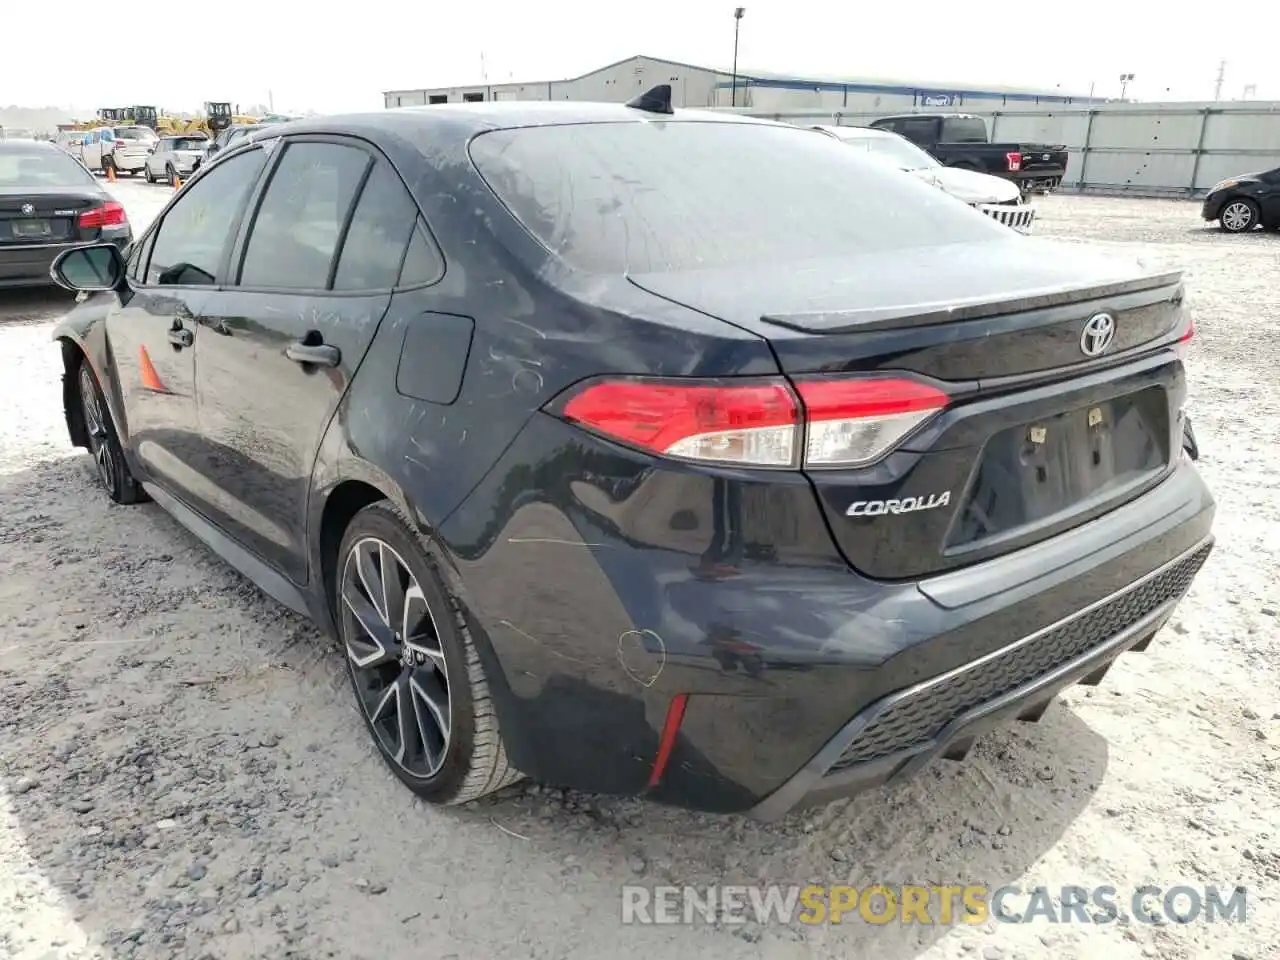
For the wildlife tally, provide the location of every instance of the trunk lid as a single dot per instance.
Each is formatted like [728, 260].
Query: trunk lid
[1038, 436]
[34, 215]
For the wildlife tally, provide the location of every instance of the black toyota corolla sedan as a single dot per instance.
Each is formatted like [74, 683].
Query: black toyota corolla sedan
[675, 454]
[49, 202]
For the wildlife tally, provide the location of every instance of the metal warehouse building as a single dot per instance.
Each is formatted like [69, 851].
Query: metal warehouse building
[694, 86]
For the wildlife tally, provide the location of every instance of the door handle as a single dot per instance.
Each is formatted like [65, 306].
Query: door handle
[320, 354]
[180, 336]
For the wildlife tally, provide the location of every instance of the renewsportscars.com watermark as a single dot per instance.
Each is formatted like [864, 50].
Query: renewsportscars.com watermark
[932, 905]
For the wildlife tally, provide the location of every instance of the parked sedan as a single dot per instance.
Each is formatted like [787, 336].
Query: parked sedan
[998, 198]
[49, 202]
[1243, 203]
[600, 475]
[175, 158]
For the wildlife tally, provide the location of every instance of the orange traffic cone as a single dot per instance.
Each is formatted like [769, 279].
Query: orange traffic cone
[177, 183]
[111, 173]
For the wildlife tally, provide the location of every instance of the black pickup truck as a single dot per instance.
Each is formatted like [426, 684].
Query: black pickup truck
[960, 140]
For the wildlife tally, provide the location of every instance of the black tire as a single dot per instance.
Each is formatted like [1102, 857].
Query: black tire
[172, 175]
[104, 443]
[1239, 215]
[146, 172]
[469, 759]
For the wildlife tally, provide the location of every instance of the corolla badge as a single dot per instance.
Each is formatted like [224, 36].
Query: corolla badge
[1099, 331]
[875, 508]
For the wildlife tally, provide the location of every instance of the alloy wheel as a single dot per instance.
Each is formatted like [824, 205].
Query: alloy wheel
[396, 657]
[96, 426]
[1237, 216]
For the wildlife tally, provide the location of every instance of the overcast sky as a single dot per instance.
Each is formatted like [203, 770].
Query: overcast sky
[332, 56]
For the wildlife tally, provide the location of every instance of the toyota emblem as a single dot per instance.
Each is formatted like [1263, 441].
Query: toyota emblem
[1099, 331]
[28, 209]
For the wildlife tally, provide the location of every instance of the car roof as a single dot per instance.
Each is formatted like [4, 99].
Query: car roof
[461, 121]
[930, 115]
[862, 133]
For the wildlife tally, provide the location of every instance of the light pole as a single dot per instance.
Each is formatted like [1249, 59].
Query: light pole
[737, 22]
[1125, 80]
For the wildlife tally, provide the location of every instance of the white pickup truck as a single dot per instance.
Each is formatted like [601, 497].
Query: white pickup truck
[122, 149]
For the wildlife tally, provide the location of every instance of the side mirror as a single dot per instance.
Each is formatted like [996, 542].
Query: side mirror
[89, 269]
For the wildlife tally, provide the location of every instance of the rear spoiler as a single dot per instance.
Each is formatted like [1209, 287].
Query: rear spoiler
[1167, 286]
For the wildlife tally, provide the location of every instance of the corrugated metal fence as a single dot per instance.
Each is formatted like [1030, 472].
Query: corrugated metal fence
[1140, 149]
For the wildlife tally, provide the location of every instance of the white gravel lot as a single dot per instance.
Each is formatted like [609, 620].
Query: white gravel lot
[183, 775]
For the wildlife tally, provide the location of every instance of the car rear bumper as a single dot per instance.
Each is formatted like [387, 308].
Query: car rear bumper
[27, 265]
[899, 735]
[130, 162]
[615, 605]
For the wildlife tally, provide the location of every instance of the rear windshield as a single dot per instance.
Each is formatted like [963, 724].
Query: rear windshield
[187, 143]
[42, 168]
[664, 197]
[134, 133]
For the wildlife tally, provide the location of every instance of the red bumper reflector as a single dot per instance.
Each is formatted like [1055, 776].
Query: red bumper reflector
[675, 717]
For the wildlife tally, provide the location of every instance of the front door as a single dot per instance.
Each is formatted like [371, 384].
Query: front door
[280, 343]
[153, 333]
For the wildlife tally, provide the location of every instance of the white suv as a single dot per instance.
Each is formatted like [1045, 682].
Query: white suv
[123, 149]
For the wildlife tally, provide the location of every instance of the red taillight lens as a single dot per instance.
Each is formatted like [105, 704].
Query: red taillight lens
[854, 422]
[110, 214]
[1014, 160]
[1184, 341]
[834, 423]
[750, 423]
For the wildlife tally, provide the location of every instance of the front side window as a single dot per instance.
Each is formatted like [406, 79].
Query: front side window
[295, 232]
[189, 244]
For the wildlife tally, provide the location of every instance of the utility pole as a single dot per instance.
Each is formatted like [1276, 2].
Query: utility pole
[737, 22]
[1125, 80]
[1222, 75]
[484, 74]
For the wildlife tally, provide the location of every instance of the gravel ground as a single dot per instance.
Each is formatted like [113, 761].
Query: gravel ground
[182, 774]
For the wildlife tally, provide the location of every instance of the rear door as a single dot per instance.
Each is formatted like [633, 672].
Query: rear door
[279, 345]
[153, 331]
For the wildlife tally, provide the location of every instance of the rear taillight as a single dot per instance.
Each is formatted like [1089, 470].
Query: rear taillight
[1184, 341]
[750, 423]
[833, 422]
[110, 214]
[853, 422]
[1014, 159]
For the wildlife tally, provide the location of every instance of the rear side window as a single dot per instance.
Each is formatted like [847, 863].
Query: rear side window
[964, 130]
[295, 233]
[378, 235]
[422, 264]
[657, 197]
